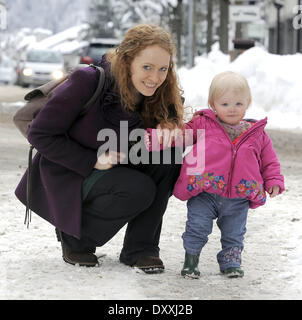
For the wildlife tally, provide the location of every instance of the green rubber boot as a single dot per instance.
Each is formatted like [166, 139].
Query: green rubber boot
[233, 272]
[190, 268]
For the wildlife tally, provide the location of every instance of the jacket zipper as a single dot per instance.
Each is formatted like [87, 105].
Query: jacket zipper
[246, 135]
[234, 149]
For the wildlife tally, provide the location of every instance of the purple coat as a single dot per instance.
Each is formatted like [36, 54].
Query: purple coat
[64, 161]
[243, 170]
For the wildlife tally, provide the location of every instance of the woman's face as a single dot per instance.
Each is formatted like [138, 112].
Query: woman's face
[149, 69]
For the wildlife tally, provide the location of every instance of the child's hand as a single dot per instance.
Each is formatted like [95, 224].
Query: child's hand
[166, 136]
[147, 140]
[273, 191]
[161, 138]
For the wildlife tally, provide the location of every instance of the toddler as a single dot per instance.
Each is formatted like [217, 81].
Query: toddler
[240, 167]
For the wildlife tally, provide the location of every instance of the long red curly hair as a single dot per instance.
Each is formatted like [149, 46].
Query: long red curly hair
[165, 106]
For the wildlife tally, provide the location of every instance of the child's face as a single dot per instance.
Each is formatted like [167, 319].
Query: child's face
[231, 107]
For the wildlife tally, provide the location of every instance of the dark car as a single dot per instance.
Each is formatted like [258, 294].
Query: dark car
[96, 48]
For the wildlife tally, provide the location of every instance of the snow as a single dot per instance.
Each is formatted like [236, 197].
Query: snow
[65, 41]
[69, 47]
[275, 83]
[31, 266]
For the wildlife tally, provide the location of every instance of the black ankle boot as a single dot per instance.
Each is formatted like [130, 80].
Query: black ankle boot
[150, 264]
[84, 259]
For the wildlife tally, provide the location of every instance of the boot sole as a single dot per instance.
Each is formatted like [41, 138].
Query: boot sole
[151, 270]
[190, 276]
[80, 264]
[233, 275]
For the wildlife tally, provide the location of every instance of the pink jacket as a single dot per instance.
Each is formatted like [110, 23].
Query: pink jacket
[243, 170]
[246, 169]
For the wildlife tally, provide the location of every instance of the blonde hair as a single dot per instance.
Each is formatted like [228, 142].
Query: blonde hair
[158, 106]
[226, 81]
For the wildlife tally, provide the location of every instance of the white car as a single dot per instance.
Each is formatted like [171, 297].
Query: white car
[39, 67]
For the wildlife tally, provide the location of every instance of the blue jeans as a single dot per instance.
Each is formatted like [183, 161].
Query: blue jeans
[231, 217]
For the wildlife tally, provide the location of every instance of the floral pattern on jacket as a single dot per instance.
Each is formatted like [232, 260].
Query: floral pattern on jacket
[246, 188]
[206, 180]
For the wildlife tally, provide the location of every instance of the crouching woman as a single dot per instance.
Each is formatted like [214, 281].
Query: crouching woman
[87, 201]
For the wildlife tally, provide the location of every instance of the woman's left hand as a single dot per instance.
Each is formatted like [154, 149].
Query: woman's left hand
[109, 159]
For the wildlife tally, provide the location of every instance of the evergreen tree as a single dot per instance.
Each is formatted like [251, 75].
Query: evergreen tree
[100, 19]
[109, 18]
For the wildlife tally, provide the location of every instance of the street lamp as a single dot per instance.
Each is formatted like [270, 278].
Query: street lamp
[298, 31]
[278, 4]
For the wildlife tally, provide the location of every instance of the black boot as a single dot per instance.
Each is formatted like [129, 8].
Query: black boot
[150, 264]
[190, 268]
[84, 259]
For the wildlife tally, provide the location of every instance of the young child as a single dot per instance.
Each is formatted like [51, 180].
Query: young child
[240, 166]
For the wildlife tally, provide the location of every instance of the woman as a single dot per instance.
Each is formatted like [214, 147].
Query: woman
[88, 200]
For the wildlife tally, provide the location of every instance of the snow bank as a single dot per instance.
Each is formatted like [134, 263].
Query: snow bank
[275, 82]
[68, 35]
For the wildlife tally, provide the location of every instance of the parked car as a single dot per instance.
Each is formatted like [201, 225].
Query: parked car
[39, 67]
[96, 48]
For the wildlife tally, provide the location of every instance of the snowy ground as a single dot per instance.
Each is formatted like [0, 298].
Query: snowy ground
[31, 266]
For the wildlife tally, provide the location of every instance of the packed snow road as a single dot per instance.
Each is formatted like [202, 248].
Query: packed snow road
[31, 266]
[12, 93]
[11, 99]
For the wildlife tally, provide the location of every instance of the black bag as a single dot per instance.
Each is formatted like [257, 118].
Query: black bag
[24, 117]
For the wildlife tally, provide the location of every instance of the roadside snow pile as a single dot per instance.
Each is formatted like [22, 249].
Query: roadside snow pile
[66, 41]
[275, 82]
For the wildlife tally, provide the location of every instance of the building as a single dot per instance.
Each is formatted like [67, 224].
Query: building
[247, 21]
[275, 24]
[289, 36]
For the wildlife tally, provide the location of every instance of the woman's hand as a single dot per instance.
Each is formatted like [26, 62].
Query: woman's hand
[273, 191]
[109, 159]
[166, 136]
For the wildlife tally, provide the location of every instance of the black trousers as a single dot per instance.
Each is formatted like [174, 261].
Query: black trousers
[133, 194]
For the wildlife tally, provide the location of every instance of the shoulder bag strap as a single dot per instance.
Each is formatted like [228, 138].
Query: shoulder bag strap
[98, 90]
